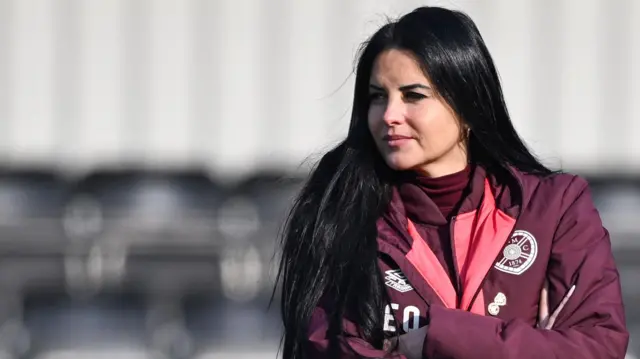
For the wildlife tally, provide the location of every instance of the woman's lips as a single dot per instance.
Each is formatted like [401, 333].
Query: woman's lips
[396, 140]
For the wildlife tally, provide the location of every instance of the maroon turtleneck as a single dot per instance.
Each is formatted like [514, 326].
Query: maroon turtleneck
[420, 194]
[446, 191]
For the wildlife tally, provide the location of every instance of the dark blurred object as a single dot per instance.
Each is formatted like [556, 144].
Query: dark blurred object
[56, 321]
[32, 243]
[145, 208]
[617, 199]
[255, 208]
[31, 206]
[250, 221]
[154, 229]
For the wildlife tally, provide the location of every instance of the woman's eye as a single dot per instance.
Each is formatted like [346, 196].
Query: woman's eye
[414, 96]
[376, 96]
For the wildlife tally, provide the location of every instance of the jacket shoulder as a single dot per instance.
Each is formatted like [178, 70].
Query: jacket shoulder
[560, 188]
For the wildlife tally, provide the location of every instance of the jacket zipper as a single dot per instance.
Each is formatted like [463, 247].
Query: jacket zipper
[455, 262]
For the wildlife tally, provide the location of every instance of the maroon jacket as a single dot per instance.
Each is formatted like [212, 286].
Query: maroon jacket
[509, 235]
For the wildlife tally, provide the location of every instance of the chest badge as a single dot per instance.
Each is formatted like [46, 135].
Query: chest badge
[395, 279]
[519, 253]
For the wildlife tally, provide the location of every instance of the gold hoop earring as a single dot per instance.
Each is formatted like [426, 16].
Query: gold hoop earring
[466, 134]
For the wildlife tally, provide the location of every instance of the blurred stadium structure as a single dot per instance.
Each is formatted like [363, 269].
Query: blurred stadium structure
[150, 149]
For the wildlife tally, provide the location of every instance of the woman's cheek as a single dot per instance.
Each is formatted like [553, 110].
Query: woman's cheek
[375, 119]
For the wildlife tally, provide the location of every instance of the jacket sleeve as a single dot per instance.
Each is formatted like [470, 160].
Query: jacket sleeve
[352, 346]
[590, 326]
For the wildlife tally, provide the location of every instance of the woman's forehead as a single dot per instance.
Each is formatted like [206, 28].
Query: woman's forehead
[397, 68]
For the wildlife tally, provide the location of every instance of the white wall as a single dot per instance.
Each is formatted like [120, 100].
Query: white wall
[239, 85]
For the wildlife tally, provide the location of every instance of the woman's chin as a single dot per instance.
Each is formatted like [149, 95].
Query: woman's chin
[398, 163]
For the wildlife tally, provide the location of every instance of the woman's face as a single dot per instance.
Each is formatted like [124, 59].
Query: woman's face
[413, 128]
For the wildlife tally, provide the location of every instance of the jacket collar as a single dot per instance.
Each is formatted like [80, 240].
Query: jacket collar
[506, 187]
[408, 199]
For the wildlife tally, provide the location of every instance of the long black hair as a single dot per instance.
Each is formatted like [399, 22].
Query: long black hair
[329, 248]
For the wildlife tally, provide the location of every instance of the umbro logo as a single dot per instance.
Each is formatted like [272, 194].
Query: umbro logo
[395, 279]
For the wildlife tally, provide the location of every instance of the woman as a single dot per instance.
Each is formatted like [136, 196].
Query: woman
[432, 223]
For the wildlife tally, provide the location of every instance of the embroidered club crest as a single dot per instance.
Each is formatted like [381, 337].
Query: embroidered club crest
[519, 253]
[396, 280]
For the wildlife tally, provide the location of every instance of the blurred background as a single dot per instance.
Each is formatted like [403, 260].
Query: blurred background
[150, 148]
